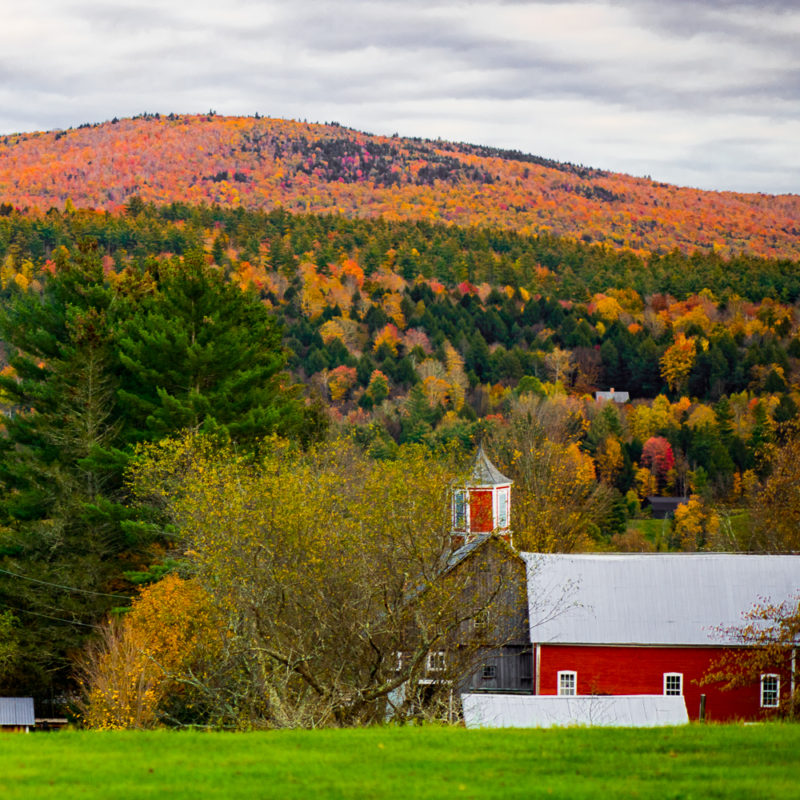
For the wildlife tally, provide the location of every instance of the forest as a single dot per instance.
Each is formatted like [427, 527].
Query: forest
[178, 370]
[262, 163]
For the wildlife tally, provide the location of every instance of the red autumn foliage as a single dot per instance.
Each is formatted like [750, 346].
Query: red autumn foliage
[264, 163]
[658, 457]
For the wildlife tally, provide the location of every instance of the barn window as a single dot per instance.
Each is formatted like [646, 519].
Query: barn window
[567, 683]
[673, 683]
[770, 691]
[482, 620]
[459, 509]
[502, 508]
[489, 672]
[436, 661]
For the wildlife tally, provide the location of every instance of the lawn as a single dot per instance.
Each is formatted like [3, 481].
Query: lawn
[656, 531]
[714, 761]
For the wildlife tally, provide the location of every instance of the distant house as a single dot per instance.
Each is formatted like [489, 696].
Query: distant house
[613, 395]
[664, 507]
[16, 714]
[616, 625]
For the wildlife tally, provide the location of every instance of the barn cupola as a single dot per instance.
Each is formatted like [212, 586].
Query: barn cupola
[482, 504]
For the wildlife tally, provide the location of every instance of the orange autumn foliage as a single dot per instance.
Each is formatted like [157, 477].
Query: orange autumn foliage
[265, 163]
[171, 632]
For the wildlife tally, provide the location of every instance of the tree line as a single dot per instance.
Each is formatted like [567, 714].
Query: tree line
[98, 364]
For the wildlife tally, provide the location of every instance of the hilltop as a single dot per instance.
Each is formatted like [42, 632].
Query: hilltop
[261, 163]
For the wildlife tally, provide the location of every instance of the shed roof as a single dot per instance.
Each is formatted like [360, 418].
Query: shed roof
[484, 473]
[651, 599]
[462, 552]
[16, 711]
[617, 397]
[487, 710]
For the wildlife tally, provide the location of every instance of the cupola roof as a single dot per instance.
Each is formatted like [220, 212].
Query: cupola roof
[484, 473]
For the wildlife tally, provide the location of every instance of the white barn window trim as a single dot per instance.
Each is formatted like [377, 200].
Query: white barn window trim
[673, 683]
[460, 509]
[502, 508]
[482, 620]
[436, 661]
[770, 690]
[567, 683]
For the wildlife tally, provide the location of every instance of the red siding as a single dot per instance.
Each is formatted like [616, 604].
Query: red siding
[606, 669]
[480, 511]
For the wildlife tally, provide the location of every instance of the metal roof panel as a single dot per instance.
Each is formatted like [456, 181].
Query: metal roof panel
[484, 473]
[16, 711]
[651, 599]
[487, 710]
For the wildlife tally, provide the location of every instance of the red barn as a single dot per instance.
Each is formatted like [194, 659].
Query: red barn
[634, 625]
[650, 624]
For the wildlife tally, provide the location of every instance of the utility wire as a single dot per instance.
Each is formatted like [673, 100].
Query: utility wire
[62, 586]
[47, 616]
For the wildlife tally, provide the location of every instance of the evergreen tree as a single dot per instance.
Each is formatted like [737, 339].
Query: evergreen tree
[203, 355]
[99, 365]
[62, 544]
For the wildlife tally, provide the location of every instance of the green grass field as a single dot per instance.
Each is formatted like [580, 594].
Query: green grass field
[654, 530]
[715, 761]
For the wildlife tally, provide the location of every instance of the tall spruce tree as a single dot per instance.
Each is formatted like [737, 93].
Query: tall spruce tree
[61, 542]
[203, 355]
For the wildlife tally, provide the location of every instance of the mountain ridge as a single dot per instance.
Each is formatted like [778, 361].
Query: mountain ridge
[261, 162]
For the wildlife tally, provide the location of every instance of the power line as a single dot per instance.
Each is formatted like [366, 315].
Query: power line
[47, 616]
[62, 586]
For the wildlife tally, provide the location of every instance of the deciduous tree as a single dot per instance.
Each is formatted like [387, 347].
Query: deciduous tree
[324, 564]
[770, 638]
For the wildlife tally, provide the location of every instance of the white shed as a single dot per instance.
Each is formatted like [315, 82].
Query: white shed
[16, 714]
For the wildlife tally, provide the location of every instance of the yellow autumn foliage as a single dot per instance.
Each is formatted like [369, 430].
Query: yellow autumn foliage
[172, 630]
[677, 361]
[695, 526]
[310, 556]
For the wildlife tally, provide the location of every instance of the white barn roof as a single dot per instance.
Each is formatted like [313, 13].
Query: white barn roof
[17, 711]
[486, 710]
[651, 599]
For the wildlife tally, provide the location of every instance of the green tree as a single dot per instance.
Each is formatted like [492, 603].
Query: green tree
[99, 364]
[62, 542]
[9, 642]
[202, 355]
[325, 567]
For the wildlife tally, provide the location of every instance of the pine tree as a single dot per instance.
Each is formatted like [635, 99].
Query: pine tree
[205, 356]
[99, 365]
[62, 543]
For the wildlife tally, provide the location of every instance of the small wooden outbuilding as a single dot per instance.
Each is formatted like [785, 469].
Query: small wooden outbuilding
[665, 507]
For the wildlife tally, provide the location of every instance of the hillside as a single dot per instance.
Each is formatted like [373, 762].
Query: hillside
[263, 163]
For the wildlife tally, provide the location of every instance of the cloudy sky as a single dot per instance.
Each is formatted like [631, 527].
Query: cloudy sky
[696, 92]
